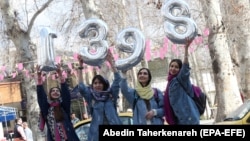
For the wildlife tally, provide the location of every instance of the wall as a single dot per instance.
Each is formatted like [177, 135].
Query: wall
[10, 92]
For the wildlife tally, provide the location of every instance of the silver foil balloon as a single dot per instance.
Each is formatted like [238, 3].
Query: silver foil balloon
[46, 53]
[178, 25]
[95, 30]
[132, 41]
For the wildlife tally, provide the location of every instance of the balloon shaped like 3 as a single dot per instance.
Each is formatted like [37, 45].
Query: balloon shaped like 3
[95, 30]
[46, 54]
[178, 25]
[130, 40]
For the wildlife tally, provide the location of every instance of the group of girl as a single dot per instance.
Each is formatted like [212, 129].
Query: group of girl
[150, 105]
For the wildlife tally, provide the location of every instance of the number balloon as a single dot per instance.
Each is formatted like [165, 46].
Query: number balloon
[130, 40]
[178, 25]
[95, 30]
[46, 54]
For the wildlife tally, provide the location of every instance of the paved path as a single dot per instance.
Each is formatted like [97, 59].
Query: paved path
[207, 122]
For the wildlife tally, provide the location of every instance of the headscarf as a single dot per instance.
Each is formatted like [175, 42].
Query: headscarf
[103, 95]
[169, 114]
[144, 92]
[100, 96]
[55, 115]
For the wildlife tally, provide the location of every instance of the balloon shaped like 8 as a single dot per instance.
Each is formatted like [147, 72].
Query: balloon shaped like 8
[178, 25]
[95, 30]
[46, 53]
[132, 41]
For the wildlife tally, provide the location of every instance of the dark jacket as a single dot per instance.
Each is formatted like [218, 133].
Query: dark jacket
[65, 104]
[16, 133]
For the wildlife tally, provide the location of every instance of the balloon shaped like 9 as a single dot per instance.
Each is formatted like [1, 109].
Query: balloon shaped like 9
[46, 54]
[95, 30]
[132, 41]
[178, 25]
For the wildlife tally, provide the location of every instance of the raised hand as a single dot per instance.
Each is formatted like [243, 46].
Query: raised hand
[80, 59]
[111, 60]
[39, 75]
[59, 69]
[59, 72]
[38, 71]
[110, 57]
[188, 42]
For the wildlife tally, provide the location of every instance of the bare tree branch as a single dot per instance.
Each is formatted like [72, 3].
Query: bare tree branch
[39, 11]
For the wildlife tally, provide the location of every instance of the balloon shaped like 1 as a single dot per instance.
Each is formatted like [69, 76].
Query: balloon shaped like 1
[95, 30]
[178, 25]
[46, 53]
[132, 41]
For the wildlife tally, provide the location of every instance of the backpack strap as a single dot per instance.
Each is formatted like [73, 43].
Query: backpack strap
[136, 97]
[156, 96]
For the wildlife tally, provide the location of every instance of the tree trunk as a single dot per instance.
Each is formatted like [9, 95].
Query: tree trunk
[225, 79]
[237, 15]
[26, 55]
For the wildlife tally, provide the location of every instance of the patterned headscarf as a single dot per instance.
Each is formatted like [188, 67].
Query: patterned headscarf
[103, 95]
[100, 96]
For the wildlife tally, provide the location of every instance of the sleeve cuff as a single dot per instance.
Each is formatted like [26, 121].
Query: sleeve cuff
[155, 112]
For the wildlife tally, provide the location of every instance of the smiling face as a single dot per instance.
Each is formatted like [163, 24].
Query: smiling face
[98, 85]
[174, 68]
[144, 76]
[55, 93]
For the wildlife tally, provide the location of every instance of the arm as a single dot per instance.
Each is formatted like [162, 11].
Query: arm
[42, 99]
[117, 78]
[115, 87]
[65, 93]
[84, 91]
[111, 60]
[159, 112]
[184, 74]
[41, 94]
[188, 42]
[39, 76]
[126, 91]
[80, 68]
[22, 133]
[66, 99]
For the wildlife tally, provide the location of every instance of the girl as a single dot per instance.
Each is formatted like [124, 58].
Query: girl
[147, 103]
[101, 98]
[55, 109]
[179, 106]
